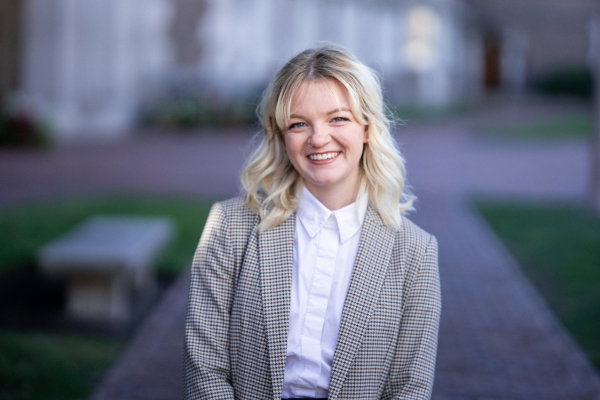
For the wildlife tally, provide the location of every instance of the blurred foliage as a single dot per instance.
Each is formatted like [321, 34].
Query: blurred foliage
[567, 80]
[43, 366]
[188, 111]
[24, 229]
[413, 114]
[558, 247]
[20, 126]
[573, 126]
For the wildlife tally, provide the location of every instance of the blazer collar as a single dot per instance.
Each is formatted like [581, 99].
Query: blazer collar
[276, 247]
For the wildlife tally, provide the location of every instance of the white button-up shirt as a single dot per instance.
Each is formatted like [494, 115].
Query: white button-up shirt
[325, 247]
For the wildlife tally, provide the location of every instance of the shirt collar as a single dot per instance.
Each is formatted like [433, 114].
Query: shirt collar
[313, 215]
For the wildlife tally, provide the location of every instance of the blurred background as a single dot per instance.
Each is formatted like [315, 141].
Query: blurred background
[146, 108]
[96, 69]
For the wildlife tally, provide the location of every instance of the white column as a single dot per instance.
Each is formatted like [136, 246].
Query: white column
[216, 31]
[513, 66]
[86, 60]
[281, 32]
[262, 48]
[348, 14]
[96, 35]
[330, 21]
[386, 46]
[48, 56]
[305, 24]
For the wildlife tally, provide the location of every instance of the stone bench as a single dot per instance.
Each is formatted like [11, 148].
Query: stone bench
[107, 260]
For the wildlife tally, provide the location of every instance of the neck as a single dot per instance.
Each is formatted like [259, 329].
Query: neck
[333, 198]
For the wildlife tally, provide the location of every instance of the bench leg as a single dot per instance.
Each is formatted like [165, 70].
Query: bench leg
[100, 297]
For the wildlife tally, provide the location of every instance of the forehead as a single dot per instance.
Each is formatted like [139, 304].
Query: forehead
[320, 92]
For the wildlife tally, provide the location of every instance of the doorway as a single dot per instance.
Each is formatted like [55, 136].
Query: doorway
[492, 54]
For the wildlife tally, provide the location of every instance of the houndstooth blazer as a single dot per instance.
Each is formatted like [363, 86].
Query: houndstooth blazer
[238, 311]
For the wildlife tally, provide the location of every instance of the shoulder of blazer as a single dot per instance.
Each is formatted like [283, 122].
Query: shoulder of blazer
[410, 245]
[409, 231]
[235, 209]
[240, 222]
[414, 246]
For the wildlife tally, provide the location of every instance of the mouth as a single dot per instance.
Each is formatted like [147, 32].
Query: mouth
[323, 156]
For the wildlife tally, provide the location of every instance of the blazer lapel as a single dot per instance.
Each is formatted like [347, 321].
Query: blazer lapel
[276, 248]
[372, 260]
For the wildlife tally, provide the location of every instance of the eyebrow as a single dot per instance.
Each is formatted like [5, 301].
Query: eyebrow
[329, 113]
[338, 110]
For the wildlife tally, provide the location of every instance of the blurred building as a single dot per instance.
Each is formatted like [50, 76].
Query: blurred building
[524, 40]
[86, 63]
[89, 64]
[418, 47]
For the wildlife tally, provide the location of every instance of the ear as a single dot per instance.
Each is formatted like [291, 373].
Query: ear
[366, 134]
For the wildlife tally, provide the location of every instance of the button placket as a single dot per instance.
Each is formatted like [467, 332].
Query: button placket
[318, 300]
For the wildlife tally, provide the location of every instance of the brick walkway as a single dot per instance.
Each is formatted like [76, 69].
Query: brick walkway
[150, 368]
[498, 339]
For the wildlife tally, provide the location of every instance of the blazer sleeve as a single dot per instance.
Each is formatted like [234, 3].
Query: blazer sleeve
[207, 373]
[419, 326]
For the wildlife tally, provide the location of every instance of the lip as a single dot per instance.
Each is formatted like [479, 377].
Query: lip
[327, 161]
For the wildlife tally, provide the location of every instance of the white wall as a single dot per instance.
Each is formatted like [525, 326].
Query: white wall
[246, 41]
[88, 61]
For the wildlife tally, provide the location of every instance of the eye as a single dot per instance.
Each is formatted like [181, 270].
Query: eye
[339, 119]
[297, 125]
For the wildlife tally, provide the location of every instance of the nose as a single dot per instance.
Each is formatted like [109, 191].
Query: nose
[319, 136]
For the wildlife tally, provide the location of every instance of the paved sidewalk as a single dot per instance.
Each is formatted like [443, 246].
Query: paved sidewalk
[150, 368]
[498, 339]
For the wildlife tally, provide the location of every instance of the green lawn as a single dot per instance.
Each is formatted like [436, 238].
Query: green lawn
[558, 247]
[52, 366]
[24, 229]
[579, 125]
[66, 366]
[414, 115]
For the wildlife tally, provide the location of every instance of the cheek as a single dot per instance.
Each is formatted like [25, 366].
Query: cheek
[358, 143]
[293, 147]
[293, 152]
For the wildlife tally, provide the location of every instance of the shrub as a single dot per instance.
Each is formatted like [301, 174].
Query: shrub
[568, 80]
[21, 125]
[186, 111]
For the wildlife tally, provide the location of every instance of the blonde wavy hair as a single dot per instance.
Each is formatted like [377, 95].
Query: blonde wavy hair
[270, 180]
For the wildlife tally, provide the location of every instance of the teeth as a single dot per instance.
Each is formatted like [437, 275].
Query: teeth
[319, 157]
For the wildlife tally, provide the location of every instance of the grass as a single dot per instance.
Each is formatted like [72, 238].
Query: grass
[413, 115]
[52, 366]
[558, 247]
[67, 366]
[24, 229]
[576, 126]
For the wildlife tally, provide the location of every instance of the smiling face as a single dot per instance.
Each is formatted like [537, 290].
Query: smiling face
[324, 142]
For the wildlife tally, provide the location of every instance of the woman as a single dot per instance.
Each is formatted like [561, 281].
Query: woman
[314, 285]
